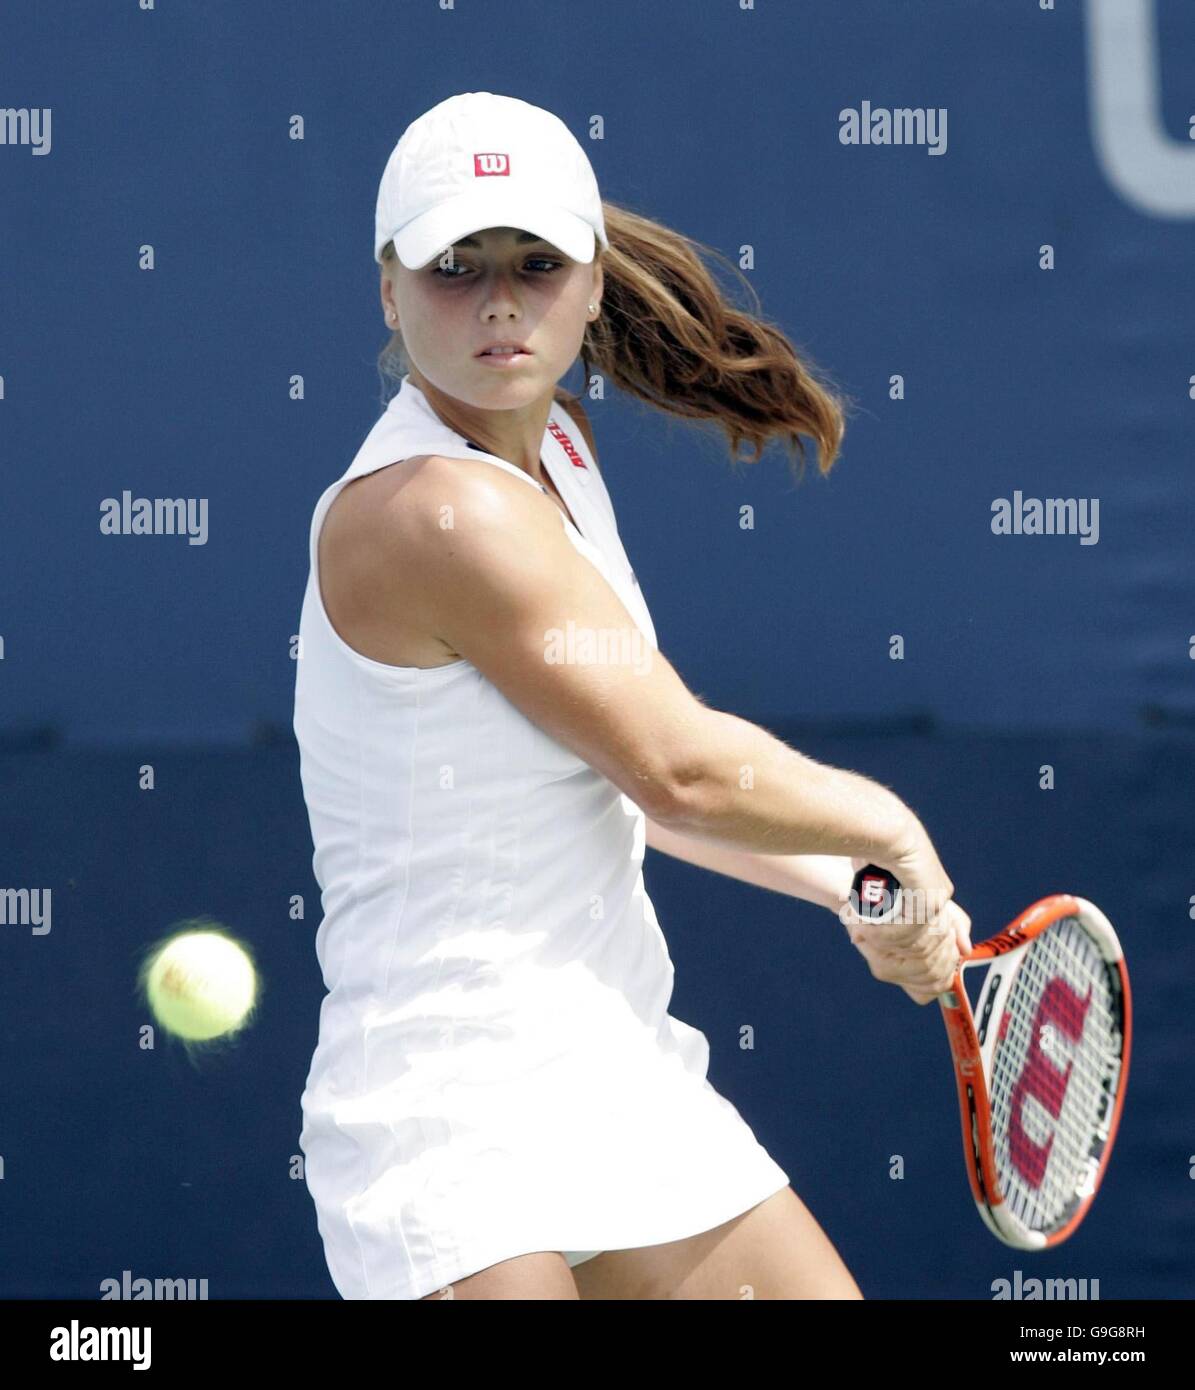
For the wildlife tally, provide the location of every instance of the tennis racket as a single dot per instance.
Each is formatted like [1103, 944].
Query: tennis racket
[1041, 1062]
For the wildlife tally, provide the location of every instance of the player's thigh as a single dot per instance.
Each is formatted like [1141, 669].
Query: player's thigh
[544, 1274]
[775, 1250]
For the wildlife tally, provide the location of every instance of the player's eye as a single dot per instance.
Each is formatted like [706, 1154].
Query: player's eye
[447, 271]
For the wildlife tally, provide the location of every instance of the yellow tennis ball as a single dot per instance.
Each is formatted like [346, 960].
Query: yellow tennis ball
[200, 985]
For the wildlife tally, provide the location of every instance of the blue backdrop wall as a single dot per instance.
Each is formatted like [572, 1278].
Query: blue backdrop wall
[1009, 305]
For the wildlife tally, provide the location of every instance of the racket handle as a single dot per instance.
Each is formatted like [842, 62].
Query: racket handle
[875, 894]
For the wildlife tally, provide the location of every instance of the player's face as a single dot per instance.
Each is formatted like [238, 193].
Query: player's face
[499, 284]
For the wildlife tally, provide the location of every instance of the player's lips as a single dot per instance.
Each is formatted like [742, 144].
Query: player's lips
[503, 354]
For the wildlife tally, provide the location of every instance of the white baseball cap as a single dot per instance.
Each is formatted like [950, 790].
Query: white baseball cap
[478, 160]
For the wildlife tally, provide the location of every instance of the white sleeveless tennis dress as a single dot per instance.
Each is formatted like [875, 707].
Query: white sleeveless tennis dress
[496, 1071]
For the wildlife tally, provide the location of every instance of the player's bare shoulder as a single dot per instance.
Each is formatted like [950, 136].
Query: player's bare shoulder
[390, 514]
[393, 547]
[359, 514]
[443, 504]
[369, 541]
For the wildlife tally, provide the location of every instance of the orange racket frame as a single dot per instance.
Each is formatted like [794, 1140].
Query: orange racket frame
[971, 1066]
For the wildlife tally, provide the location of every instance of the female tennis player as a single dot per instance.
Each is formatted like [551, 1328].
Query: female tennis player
[500, 1104]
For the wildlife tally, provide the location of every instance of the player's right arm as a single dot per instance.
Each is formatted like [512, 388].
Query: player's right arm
[486, 564]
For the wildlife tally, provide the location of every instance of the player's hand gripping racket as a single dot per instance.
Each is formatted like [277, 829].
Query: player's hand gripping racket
[1041, 1062]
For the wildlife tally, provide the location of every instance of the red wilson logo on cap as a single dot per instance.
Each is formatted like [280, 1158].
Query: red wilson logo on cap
[490, 164]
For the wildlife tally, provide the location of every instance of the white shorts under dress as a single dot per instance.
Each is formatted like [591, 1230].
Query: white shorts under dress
[497, 1071]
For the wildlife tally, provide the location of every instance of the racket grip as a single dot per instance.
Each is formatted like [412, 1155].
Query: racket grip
[875, 894]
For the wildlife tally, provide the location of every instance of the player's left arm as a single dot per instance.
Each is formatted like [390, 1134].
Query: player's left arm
[816, 878]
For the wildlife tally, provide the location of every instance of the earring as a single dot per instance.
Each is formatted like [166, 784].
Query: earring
[593, 308]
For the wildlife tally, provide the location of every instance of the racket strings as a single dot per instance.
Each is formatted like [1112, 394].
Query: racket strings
[1058, 1035]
